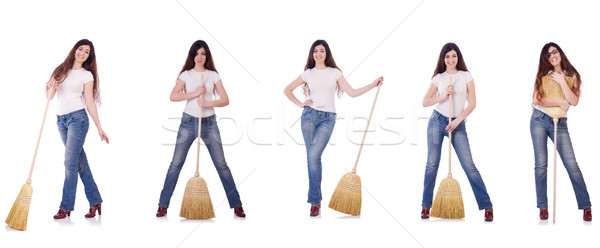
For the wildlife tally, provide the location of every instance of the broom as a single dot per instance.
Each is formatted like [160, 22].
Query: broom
[17, 217]
[448, 202]
[347, 197]
[552, 90]
[196, 204]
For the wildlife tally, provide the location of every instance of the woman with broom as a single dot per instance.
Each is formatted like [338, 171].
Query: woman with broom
[77, 89]
[320, 82]
[199, 67]
[554, 63]
[451, 68]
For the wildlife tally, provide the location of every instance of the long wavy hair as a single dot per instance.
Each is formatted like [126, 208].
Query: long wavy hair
[545, 67]
[441, 65]
[189, 61]
[310, 63]
[62, 71]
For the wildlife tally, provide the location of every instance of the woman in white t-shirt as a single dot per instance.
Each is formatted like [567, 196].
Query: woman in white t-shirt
[75, 82]
[555, 66]
[451, 68]
[321, 81]
[189, 87]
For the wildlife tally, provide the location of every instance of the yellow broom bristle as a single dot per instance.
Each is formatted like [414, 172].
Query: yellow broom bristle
[448, 202]
[347, 197]
[196, 204]
[17, 218]
[552, 90]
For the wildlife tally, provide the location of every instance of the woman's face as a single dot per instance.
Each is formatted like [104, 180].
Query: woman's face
[200, 58]
[450, 59]
[319, 54]
[553, 56]
[82, 54]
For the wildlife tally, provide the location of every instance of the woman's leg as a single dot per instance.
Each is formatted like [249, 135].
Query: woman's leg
[460, 142]
[567, 154]
[435, 138]
[73, 130]
[188, 131]
[212, 138]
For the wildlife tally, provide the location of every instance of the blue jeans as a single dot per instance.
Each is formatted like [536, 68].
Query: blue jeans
[436, 130]
[317, 127]
[188, 132]
[73, 128]
[542, 127]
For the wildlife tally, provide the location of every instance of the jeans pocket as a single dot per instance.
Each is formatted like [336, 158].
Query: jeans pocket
[305, 110]
[435, 115]
[186, 118]
[536, 115]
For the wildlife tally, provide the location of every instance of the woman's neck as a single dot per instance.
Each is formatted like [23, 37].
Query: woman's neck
[77, 66]
[321, 66]
[199, 68]
[558, 69]
[451, 70]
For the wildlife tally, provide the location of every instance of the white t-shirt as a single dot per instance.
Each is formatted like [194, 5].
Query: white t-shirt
[460, 81]
[70, 92]
[192, 81]
[323, 87]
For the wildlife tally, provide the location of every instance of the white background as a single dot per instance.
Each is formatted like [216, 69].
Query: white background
[259, 47]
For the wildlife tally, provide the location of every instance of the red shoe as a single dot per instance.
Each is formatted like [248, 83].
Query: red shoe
[62, 214]
[587, 214]
[425, 213]
[239, 211]
[489, 214]
[314, 210]
[161, 212]
[543, 213]
[92, 212]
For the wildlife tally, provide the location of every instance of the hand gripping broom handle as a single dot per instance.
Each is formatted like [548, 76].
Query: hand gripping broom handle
[554, 197]
[37, 145]
[366, 129]
[450, 137]
[197, 174]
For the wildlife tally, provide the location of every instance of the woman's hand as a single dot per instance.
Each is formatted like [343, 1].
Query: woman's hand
[203, 103]
[377, 82]
[200, 91]
[103, 136]
[306, 103]
[558, 77]
[565, 105]
[51, 89]
[449, 91]
[453, 124]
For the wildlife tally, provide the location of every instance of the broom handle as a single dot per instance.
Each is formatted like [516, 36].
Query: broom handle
[197, 174]
[366, 129]
[37, 145]
[554, 197]
[450, 137]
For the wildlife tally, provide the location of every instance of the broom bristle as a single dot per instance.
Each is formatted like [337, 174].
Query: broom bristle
[552, 90]
[347, 197]
[17, 218]
[196, 204]
[448, 202]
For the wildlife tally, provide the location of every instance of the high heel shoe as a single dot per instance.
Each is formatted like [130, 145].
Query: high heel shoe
[62, 214]
[587, 214]
[92, 212]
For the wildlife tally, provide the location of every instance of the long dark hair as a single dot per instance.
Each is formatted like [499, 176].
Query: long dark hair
[310, 63]
[545, 67]
[441, 65]
[62, 70]
[189, 62]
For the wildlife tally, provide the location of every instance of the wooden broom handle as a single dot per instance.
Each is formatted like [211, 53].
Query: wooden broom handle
[450, 137]
[37, 145]
[366, 129]
[554, 193]
[197, 174]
